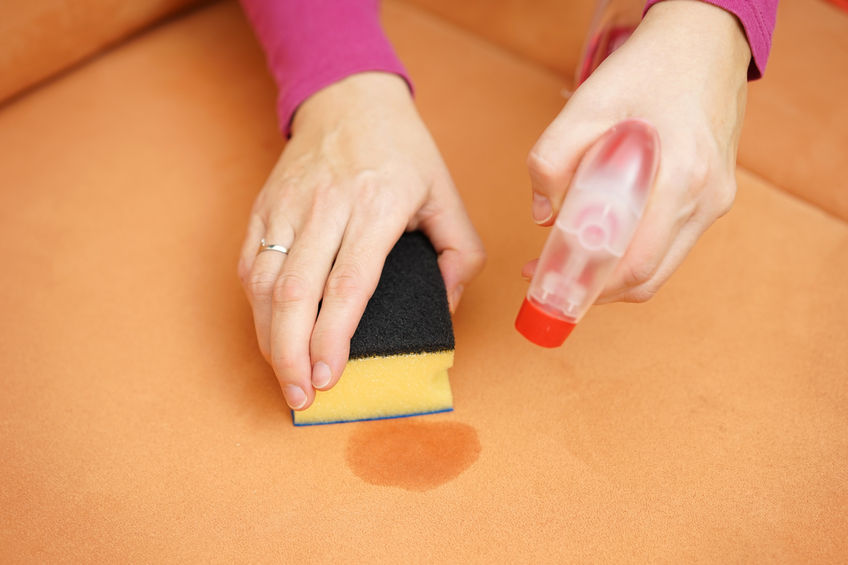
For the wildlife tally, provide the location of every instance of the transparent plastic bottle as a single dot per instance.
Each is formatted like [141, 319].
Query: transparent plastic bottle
[602, 209]
[612, 23]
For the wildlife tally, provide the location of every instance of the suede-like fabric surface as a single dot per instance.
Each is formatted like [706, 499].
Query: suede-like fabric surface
[550, 32]
[139, 423]
[796, 126]
[41, 37]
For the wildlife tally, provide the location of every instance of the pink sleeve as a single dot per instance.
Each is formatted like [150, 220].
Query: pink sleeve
[310, 44]
[758, 19]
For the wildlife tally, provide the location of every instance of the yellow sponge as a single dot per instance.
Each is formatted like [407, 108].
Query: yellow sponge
[384, 387]
[402, 348]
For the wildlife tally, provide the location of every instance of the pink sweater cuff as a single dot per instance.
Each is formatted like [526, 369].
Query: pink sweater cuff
[310, 44]
[758, 19]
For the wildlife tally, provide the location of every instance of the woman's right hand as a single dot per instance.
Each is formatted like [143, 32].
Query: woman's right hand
[360, 169]
[684, 70]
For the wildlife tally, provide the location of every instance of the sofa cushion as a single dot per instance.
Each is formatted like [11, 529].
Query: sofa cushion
[139, 423]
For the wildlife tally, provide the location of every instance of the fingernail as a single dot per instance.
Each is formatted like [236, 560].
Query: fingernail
[542, 209]
[321, 375]
[455, 297]
[295, 397]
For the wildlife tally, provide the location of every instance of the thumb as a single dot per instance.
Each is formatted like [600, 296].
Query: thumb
[554, 159]
[461, 253]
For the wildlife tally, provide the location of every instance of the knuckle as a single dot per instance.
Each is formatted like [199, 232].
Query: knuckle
[326, 191]
[637, 274]
[291, 288]
[260, 283]
[329, 338]
[346, 282]
[367, 185]
[698, 175]
[283, 228]
[694, 166]
[330, 206]
[321, 335]
[376, 200]
[319, 206]
[642, 293]
[285, 365]
[477, 259]
[686, 170]
[726, 196]
[541, 169]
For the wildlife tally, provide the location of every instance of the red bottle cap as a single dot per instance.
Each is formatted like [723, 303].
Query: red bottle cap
[540, 327]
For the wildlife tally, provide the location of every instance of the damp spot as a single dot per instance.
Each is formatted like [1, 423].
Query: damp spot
[411, 454]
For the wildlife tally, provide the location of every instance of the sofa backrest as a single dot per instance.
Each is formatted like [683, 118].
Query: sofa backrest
[549, 32]
[39, 38]
[796, 126]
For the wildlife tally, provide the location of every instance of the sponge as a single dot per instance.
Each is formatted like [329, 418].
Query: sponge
[402, 349]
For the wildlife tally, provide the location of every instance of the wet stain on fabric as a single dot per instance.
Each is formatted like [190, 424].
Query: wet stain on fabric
[411, 454]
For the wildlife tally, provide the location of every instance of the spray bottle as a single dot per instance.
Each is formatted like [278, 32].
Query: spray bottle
[595, 225]
[613, 23]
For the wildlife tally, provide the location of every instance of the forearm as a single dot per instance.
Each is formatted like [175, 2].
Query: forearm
[310, 44]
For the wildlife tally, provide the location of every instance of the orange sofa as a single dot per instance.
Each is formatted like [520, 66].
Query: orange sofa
[138, 422]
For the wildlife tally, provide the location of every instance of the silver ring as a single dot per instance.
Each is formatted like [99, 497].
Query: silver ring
[271, 247]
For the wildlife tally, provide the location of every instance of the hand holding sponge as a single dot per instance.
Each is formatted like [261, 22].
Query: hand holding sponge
[402, 349]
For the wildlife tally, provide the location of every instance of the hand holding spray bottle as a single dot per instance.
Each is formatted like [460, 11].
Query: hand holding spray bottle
[595, 225]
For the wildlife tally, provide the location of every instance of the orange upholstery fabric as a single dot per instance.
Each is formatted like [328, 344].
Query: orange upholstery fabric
[796, 126]
[550, 32]
[41, 37]
[138, 422]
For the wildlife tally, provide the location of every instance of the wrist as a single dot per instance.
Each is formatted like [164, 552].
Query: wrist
[700, 35]
[358, 95]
